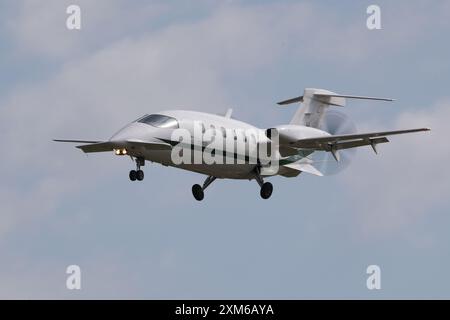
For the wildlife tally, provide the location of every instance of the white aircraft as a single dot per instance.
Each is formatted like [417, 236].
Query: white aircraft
[151, 138]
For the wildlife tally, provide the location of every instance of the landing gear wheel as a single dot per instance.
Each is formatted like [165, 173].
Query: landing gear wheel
[133, 175]
[140, 175]
[197, 192]
[266, 190]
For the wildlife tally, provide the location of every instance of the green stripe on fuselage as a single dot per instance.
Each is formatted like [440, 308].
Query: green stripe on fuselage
[300, 155]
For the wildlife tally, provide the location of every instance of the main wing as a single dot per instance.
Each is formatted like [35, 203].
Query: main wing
[346, 141]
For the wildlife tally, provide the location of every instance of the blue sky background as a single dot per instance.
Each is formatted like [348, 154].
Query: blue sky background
[313, 239]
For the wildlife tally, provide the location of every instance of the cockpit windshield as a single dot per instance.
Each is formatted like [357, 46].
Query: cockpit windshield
[160, 121]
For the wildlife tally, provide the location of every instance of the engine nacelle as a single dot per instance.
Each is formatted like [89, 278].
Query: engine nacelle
[290, 133]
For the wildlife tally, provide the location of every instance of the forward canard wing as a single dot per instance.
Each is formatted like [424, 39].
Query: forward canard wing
[104, 146]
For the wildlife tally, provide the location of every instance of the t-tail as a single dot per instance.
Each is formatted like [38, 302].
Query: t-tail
[316, 102]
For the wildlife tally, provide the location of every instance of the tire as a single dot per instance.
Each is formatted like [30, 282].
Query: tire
[266, 190]
[197, 192]
[140, 175]
[133, 175]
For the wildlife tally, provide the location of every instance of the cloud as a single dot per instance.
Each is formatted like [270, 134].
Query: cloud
[393, 192]
[39, 29]
[102, 277]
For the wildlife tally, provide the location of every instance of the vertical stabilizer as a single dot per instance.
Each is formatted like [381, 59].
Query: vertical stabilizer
[316, 102]
[314, 107]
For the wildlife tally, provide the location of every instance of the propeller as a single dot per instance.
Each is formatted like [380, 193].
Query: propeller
[336, 123]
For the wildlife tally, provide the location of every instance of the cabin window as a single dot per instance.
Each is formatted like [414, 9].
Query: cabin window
[224, 132]
[213, 129]
[252, 138]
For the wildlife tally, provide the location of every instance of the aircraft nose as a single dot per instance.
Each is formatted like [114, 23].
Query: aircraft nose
[135, 131]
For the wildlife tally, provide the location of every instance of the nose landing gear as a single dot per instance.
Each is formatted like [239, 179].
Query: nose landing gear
[138, 174]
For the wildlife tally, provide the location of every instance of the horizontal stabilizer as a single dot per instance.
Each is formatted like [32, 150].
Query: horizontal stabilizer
[315, 103]
[351, 97]
[289, 101]
[327, 98]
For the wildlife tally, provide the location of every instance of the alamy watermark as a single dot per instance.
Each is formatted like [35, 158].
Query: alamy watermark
[373, 282]
[373, 21]
[73, 281]
[225, 146]
[73, 21]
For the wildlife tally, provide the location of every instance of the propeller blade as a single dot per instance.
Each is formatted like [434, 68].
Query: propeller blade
[330, 163]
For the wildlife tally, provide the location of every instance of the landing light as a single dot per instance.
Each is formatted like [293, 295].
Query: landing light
[120, 152]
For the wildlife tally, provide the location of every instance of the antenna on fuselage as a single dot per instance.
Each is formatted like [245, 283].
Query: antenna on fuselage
[228, 113]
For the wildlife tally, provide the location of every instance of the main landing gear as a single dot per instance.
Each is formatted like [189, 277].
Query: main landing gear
[138, 174]
[197, 190]
[266, 187]
[265, 192]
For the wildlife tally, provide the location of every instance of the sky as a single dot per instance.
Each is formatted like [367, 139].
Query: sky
[314, 238]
